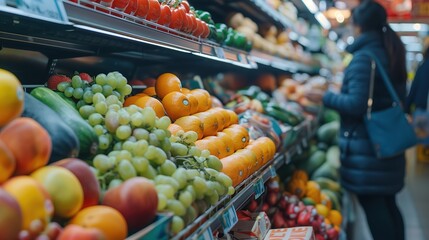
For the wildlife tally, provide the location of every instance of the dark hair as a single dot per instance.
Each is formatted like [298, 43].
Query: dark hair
[371, 16]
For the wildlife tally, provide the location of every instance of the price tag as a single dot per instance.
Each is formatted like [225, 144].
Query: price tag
[273, 171]
[220, 53]
[262, 227]
[53, 9]
[287, 158]
[229, 219]
[259, 188]
[207, 235]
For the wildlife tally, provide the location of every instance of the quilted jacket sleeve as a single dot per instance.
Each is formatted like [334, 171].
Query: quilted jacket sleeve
[354, 101]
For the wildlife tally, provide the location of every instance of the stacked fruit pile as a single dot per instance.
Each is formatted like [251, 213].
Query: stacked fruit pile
[288, 210]
[139, 163]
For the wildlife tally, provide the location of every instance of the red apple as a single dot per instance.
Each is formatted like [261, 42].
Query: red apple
[90, 186]
[136, 199]
[72, 232]
[136, 82]
[10, 216]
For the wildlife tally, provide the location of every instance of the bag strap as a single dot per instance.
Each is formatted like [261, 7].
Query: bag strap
[386, 81]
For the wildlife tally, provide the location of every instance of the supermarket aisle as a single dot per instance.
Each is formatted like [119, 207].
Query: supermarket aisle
[414, 199]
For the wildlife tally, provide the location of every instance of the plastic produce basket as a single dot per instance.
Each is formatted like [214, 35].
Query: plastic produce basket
[158, 230]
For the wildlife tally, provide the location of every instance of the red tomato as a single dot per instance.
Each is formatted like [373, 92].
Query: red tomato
[206, 31]
[176, 19]
[186, 5]
[120, 4]
[187, 25]
[154, 11]
[194, 22]
[200, 28]
[165, 15]
[141, 8]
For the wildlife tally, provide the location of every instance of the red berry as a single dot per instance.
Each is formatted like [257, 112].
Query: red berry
[54, 80]
[85, 77]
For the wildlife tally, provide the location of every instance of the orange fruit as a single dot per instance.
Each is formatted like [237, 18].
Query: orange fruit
[191, 123]
[219, 117]
[229, 144]
[176, 105]
[222, 149]
[185, 90]
[131, 100]
[154, 103]
[207, 144]
[7, 162]
[233, 117]
[210, 123]
[239, 136]
[249, 158]
[106, 219]
[150, 91]
[167, 83]
[11, 97]
[234, 167]
[174, 128]
[226, 116]
[202, 98]
[259, 153]
[193, 101]
[335, 217]
[270, 145]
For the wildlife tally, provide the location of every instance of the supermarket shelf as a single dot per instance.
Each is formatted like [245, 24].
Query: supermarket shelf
[280, 63]
[245, 190]
[93, 33]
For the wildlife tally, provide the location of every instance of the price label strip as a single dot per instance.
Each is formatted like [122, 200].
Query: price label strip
[53, 9]
[259, 188]
[207, 235]
[229, 219]
[220, 53]
[273, 171]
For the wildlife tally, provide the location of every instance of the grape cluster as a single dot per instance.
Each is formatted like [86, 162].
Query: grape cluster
[133, 142]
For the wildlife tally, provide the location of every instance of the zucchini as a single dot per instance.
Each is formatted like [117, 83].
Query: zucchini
[65, 143]
[88, 140]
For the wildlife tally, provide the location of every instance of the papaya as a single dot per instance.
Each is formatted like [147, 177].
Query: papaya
[65, 143]
[335, 201]
[333, 156]
[328, 132]
[316, 160]
[329, 184]
[326, 170]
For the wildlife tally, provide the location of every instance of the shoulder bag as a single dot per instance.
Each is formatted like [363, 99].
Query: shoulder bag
[389, 130]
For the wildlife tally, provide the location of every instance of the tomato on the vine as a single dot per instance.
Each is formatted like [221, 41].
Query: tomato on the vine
[200, 28]
[120, 4]
[206, 31]
[177, 19]
[154, 11]
[141, 8]
[186, 5]
[165, 18]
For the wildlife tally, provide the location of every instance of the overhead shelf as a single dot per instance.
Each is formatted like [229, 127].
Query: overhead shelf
[281, 63]
[246, 190]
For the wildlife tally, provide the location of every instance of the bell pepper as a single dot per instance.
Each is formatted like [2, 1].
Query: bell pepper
[204, 16]
[248, 46]
[229, 40]
[213, 34]
[239, 40]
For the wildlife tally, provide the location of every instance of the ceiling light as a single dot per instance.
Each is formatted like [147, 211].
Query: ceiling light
[322, 20]
[340, 5]
[409, 27]
[417, 26]
[350, 40]
[333, 35]
[311, 6]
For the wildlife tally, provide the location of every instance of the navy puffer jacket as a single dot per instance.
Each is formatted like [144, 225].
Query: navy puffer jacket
[361, 172]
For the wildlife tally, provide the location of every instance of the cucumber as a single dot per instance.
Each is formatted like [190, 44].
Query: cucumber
[88, 140]
[65, 143]
[68, 100]
[316, 160]
[327, 171]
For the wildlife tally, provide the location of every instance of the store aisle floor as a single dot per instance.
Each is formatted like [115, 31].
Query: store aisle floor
[414, 199]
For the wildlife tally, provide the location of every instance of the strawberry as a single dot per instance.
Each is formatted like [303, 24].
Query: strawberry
[85, 77]
[56, 79]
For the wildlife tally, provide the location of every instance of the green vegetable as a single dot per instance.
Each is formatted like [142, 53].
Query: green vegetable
[88, 140]
[327, 171]
[281, 114]
[65, 143]
[204, 16]
[328, 132]
[316, 160]
[239, 40]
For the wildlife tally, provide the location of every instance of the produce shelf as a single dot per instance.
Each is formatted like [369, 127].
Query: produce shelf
[95, 33]
[245, 190]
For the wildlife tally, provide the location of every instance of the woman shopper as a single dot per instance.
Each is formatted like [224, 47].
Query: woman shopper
[418, 95]
[374, 181]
